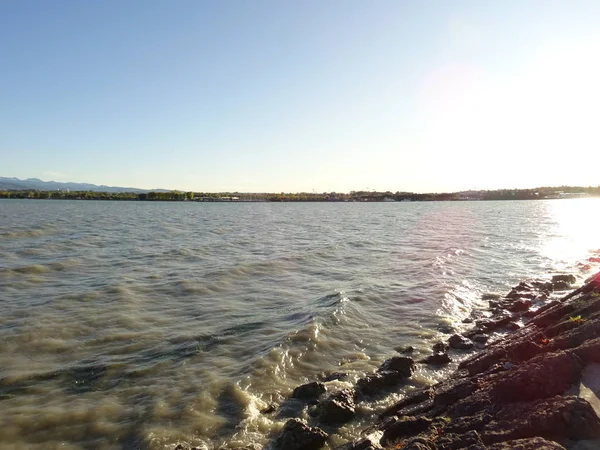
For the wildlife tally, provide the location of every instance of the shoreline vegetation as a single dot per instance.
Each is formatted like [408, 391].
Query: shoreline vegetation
[541, 193]
[528, 379]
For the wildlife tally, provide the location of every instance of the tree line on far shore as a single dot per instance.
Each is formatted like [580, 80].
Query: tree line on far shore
[361, 196]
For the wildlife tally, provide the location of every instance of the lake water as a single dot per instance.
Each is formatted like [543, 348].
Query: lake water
[128, 325]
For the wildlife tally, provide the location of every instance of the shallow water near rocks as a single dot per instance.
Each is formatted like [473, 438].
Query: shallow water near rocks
[141, 325]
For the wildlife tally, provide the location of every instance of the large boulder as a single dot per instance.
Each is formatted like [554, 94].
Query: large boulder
[309, 390]
[404, 365]
[373, 384]
[296, 435]
[337, 408]
[438, 359]
[460, 342]
[568, 278]
[520, 305]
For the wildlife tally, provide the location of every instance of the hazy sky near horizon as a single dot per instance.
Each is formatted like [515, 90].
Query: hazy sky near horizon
[300, 96]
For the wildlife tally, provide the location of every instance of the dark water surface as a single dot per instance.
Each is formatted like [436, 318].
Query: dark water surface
[140, 325]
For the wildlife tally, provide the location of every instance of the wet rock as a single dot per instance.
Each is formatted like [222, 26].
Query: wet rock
[529, 314]
[375, 382]
[335, 376]
[480, 338]
[412, 399]
[440, 347]
[468, 320]
[567, 278]
[309, 390]
[337, 408]
[561, 285]
[404, 427]
[268, 410]
[246, 447]
[417, 409]
[460, 342]
[446, 328]
[536, 443]
[404, 365]
[495, 323]
[512, 326]
[367, 443]
[519, 305]
[183, 447]
[438, 359]
[491, 296]
[296, 435]
[406, 350]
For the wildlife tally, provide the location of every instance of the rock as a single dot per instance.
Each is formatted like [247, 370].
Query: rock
[492, 324]
[367, 443]
[406, 350]
[480, 338]
[561, 285]
[524, 351]
[454, 390]
[438, 359]
[543, 376]
[309, 390]
[468, 320]
[337, 408]
[404, 427]
[567, 278]
[335, 376]
[404, 365]
[440, 347]
[375, 382]
[419, 443]
[536, 443]
[268, 410]
[490, 296]
[446, 328]
[184, 447]
[451, 441]
[552, 418]
[464, 424]
[414, 398]
[519, 305]
[246, 447]
[460, 342]
[512, 326]
[296, 435]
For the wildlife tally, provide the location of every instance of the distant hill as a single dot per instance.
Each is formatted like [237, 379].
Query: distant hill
[15, 184]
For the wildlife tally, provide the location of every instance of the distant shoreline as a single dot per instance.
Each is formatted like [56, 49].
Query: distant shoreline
[359, 197]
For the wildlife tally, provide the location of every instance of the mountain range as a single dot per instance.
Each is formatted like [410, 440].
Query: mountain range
[16, 184]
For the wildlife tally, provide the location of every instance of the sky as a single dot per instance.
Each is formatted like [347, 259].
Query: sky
[301, 96]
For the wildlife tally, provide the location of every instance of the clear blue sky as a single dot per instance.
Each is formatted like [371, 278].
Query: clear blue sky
[301, 95]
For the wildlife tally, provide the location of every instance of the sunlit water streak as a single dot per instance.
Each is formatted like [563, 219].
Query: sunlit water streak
[140, 325]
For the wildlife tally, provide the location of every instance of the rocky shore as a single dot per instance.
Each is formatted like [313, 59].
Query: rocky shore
[534, 387]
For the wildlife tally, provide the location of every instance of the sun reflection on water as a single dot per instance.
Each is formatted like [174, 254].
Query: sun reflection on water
[576, 232]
